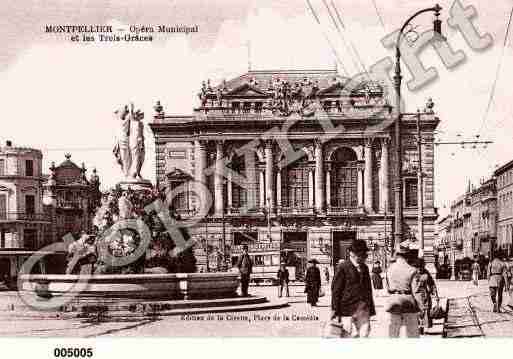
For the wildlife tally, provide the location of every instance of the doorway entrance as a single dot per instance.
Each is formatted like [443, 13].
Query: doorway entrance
[294, 251]
[5, 268]
[341, 242]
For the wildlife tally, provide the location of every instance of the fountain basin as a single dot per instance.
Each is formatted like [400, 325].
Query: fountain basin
[144, 286]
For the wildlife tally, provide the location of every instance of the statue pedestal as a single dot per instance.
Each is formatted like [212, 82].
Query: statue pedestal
[136, 185]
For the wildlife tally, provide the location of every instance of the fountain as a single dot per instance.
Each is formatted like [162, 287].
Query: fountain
[137, 255]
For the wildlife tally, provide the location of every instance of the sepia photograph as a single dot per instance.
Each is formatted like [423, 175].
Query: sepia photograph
[267, 169]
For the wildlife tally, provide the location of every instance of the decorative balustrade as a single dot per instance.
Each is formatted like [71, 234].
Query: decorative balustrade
[24, 216]
[69, 204]
[295, 210]
[265, 113]
[343, 211]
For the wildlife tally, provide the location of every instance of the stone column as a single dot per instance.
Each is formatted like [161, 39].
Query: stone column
[328, 189]
[261, 187]
[359, 189]
[219, 180]
[230, 189]
[319, 178]
[269, 175]
[278, 188]
[310, 189]
[383, 178]
[201, 177]
[368, 176]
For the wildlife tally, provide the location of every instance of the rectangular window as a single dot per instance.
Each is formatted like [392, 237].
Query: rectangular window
[240, 238]
[295, 187]
[410, 192]
[2, 167]
[259, 260]
[3, 206]
[29, 238]
[29, 168]
[30, 204]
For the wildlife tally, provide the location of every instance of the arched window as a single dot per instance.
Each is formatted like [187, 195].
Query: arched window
[295, 184]
[344, 178]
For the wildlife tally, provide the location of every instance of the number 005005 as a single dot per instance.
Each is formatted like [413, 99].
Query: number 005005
[73, 352]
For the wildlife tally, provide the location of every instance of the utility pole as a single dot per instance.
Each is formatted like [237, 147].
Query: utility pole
[420, 190]
[386, 241]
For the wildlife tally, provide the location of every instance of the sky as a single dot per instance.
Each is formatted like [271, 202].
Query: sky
[60, 96]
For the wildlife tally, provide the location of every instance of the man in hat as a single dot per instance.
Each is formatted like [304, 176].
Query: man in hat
[402, 284]
[245, 266]
[351, 300]
[496, 280]
[312, 283]
[283, 280]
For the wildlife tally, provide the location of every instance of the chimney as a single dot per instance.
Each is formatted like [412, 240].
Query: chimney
[8, 143]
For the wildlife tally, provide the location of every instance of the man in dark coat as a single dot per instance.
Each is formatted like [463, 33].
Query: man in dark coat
[245, 266]
[351, 299]
[283, 280]
[312, 283]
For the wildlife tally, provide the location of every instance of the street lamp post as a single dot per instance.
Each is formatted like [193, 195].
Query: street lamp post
[398, 186]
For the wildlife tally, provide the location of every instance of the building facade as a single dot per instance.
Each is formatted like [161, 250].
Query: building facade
[70, 199]
[504, 179]
[483, 201]
[23, 223]
[461, 228]
[444, 241]
[293, 163]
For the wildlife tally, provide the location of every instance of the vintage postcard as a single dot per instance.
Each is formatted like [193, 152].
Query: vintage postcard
[243, 168]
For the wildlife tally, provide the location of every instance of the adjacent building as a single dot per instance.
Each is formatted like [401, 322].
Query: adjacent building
[504, 177]
[483, 202]
[461, 226]
[23, 223]
[296, 164]
[71, 199]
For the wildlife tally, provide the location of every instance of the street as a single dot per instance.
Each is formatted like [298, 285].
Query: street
[296, 320]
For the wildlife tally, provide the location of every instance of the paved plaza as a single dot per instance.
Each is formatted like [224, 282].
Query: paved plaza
[296, 320]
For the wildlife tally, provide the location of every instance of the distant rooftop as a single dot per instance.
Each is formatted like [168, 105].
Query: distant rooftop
[9, 147]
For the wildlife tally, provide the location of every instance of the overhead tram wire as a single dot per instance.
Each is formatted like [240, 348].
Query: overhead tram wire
[355, 64]
[327, 39]
[354, 52]
[499, 65]
[338, 15]
[378, 13]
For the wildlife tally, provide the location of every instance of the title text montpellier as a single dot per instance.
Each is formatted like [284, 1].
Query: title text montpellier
[77, 28]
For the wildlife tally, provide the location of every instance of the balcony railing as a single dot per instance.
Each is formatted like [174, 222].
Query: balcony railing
[69, 204]
[24, 216]
[296, 210]
[182, 212]
[246, 211]
[343, 210]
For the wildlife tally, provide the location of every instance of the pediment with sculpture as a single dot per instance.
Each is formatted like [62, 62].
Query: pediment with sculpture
[283, 94]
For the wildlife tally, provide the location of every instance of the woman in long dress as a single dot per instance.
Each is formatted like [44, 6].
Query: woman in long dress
[312, 283]
[377, 281]
[475, 272]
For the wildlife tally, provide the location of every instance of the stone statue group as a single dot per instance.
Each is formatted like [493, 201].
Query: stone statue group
[129, 149]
